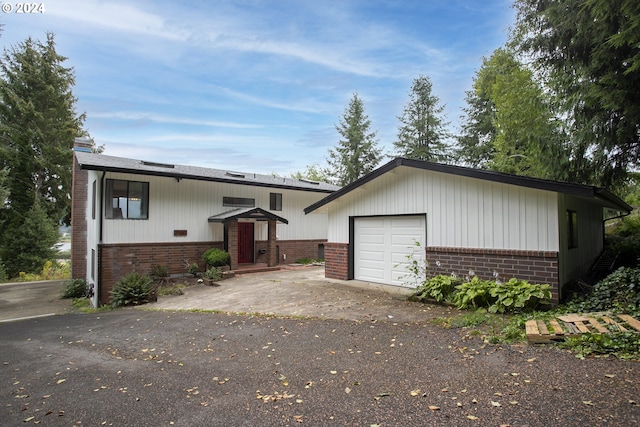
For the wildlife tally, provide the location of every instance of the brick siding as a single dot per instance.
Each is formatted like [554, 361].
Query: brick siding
[533, 266]
[118, 260]
[336, 256]
[293, 249]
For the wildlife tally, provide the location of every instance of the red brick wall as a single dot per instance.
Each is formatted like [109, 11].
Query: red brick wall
[533, 266]
[294, 249]
[336, 257]
[79, 200]
[118, 260]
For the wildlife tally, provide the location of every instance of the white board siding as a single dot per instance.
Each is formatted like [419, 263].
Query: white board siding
[382, 245]
[461, 211]
[186, 205]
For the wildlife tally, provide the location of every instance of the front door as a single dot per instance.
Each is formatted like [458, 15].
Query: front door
[245, 242]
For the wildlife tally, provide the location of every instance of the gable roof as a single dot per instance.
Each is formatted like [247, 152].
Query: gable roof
[101, 162]
[607, 198]
[247, 213]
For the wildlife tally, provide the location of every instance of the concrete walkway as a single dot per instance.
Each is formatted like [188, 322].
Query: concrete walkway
[303, 292]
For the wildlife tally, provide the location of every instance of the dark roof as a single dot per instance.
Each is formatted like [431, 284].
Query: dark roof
[609, 199]
[247, 213]
[101, 162]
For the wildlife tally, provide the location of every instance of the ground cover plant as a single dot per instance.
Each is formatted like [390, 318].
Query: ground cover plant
[498, 311]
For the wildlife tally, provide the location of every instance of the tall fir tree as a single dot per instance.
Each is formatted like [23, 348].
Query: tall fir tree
[422, 133]
[510, 127]
[38, 125]
[357, 152]
[588, 52]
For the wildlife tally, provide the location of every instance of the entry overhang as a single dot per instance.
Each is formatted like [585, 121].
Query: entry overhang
[257, 214]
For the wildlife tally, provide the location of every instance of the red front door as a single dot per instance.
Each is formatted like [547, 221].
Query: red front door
[245, 242]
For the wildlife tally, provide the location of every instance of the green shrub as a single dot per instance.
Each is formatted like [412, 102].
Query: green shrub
[213, 273]
[193, 268]
[133, 289]
[215, 257]
[439, 288]
[624, 241]
[74, 288]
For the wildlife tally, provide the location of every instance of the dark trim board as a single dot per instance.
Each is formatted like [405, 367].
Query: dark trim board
[608, 198]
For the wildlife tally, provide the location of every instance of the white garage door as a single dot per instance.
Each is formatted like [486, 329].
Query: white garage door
[382, 245]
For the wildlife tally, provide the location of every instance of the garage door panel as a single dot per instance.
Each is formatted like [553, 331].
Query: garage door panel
[382, 245]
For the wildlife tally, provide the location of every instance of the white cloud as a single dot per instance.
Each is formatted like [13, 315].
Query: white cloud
[117, 16]
[159, 118]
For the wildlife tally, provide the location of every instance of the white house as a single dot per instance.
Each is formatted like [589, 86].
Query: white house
[129, 215]
[490, 223]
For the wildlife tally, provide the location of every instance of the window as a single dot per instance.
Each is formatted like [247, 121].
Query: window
[572, 228]
[126, 199]
[238, 202]
[275, 201]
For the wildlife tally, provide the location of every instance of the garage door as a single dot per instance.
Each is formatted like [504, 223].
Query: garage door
[382, 245]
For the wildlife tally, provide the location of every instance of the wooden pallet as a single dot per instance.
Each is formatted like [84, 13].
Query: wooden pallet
[571, 325]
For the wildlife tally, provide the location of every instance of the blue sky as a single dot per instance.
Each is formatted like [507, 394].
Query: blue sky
[257, 85]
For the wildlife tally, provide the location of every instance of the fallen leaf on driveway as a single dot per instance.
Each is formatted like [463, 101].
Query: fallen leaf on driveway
[496, 404]
[61, 381]
[471, 417]
[434, 408]
[588, 402]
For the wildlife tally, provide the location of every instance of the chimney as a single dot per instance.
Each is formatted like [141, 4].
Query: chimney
[84, 145]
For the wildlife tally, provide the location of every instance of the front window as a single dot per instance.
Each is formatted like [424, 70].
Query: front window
[126, 199]
[275, 201]
[238, 202]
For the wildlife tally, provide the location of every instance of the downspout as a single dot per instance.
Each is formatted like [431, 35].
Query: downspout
[101, 219]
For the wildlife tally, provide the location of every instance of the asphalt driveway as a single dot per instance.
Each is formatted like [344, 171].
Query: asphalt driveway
[338, 354]
[32, 299]
[303, 292]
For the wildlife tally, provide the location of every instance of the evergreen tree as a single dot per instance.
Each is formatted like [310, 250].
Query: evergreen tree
[422, 133]
[38, 125]
[511, 127]
[28, 241]
[588, 51]
[357, 153]
[475, 142]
